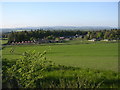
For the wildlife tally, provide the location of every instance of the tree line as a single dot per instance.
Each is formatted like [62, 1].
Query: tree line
[38, 34]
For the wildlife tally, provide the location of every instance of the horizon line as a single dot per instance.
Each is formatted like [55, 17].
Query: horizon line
[55, 26]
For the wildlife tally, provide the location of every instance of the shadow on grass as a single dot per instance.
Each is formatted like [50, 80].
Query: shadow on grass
[60, 76]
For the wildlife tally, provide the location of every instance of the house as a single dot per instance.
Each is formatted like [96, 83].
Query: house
[62, 37]
[13, 43]
[22, 41]
[92, 39]
[80, 36]
[105, 40]
[76, 35]
[114, 40]
[67, 39]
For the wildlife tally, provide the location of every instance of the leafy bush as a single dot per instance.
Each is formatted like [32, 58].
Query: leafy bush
[28, 69]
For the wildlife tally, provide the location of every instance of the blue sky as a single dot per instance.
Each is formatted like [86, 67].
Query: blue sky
[25, 14]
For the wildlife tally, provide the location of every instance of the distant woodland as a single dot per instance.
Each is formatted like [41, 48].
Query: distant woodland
[35, 35]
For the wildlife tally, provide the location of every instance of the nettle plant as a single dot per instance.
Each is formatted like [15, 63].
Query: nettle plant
[28, 69]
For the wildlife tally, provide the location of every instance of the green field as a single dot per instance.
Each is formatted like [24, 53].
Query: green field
[77, 65]
[102, 56]
[3, 41]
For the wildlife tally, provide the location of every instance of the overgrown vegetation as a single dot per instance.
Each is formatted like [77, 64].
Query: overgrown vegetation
[32, 70]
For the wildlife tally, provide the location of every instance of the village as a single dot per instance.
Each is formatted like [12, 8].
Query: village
[59, 40]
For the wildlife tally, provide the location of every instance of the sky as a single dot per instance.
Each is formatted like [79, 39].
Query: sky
[35, 14]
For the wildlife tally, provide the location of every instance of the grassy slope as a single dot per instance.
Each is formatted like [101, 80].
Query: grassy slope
[96, 55]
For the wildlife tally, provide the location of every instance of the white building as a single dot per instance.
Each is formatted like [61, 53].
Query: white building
[92, 40]
[105, 40]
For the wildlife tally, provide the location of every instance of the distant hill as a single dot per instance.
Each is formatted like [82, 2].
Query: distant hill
[59, 28]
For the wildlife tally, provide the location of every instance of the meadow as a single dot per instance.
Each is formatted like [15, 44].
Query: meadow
[77, 64]
[102, 56]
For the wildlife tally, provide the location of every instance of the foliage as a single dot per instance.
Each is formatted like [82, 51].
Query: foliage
[41, 34]
[50, 37]
[28, 69]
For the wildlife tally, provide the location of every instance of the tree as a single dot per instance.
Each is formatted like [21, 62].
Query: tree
[50, 37]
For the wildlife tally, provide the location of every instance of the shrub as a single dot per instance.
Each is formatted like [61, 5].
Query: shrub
[28, 69]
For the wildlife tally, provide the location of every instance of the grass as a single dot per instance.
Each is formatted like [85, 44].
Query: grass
[55, 76]
[82, 65]
[86, 78]
[3, 41]
[101, 56]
